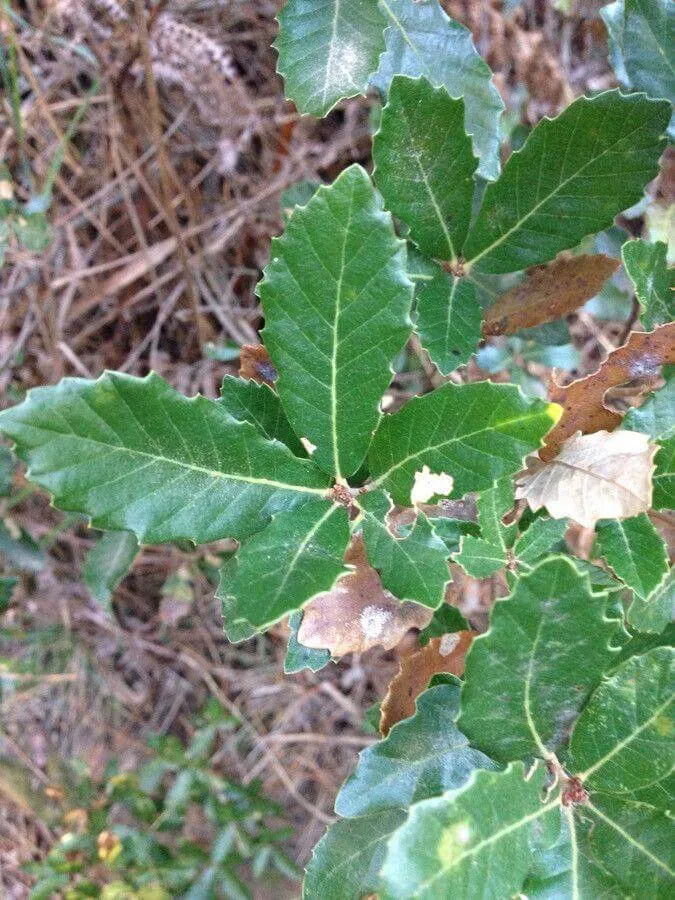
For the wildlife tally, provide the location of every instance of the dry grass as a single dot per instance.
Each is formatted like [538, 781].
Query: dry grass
[162, 213]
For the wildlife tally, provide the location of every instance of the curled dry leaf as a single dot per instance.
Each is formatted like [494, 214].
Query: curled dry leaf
[255, 363]
[441, 655]
[358, 613]
[582, 400]
[594, 476]
[549, 292]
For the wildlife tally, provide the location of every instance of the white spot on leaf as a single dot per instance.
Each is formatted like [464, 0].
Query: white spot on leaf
[429, 484]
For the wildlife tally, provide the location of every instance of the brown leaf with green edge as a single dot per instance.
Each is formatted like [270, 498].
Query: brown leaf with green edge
[440, 656]
[582, 400]
[549, 292]
[357, 613]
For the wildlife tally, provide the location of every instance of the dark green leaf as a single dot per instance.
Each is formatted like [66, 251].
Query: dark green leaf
[663, 479]
[336, 301]
[422, 40]
[6, 470]
[635, 551]
[472, 842]
[574, 174]
[623, 739]
[7, 586]
[299, 657]
[20, 550]
[298, 555]
[528, 677]
[424, 165]
[251, 401]
[648, 36]
[412, 568]
[421, 757]
[476, 432]
[448, 320]
[328, 50]
[656, 612]
[108, 561]
[447, 619]
[646, 264]
[542, 535]
[135, 455]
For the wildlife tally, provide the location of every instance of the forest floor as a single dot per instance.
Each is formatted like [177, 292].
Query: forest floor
[162, 213]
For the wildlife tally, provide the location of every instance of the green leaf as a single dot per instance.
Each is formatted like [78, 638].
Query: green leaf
[346, 862]
[623, 739]
[424, 165]
[472, 842]
[656, 612]
[299, 657]
[336, 301]
[299, 554]
[133, 454]
[543, 534]
[635, 551]
[6, 471]
[480, 558]
[412, 568]
[448, 320]
[663, 479]
[421, 757]
[531, 673]
[574, 174]
[648, 35]
[656, 416]
[476, 432]
[327, 51]
[237, 629]
[7, 586]
[298, 194]
[250, 401]
[108, 561]
[20, 550]
[648, 270]
[483, 556]
[446, 620]
[422, 40]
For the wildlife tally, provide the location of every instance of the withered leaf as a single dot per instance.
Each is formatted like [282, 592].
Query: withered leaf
[358, 613]
[255, 363]
[549, 292]
[441, 655]
[594, 476]
[582, 400]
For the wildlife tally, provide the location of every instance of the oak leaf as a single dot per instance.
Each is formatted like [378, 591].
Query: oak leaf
[594, 476]
[582, 400]
[441, 655]
[549, 292]
[358, 613]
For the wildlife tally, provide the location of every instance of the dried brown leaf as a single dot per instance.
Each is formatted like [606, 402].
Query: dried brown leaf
[594, 476]
[441, 655]
[358, 613]
[582, 400]
[255, 363]
[549, 292]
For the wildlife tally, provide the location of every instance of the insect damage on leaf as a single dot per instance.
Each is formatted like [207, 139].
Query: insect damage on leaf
[594, 476]
[430, 484]
[357, 613]
[444, 654]
[549, 292]
[255, 363]
[582, 400]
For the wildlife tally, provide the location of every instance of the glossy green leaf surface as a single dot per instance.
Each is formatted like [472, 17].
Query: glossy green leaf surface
[654, 282]
[249, 401]
[528, 677]
[276, 571]
[424, 165]
[623, 740]
[327, 50]
[108, 561]
[421, 757]
[541, 536]
[635, 551]
[448, 320]
[412, 568]
[472, 842]
[336, 299]
[648, 38]
[299, 657]
[573, 176]
[422, 40]
[477, 433]
[657, 611]
[135, 455]
[346, 862]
